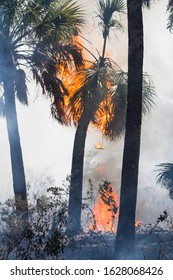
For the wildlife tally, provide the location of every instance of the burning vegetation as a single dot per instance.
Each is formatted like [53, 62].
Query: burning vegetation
[106, 208]
[105, 211]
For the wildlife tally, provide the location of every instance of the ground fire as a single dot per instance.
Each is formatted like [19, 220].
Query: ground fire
[106, 209]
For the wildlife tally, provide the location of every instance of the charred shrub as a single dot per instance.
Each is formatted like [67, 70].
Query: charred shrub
[41, 235]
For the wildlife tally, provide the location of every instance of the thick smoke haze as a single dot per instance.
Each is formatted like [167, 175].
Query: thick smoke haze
[47, 146]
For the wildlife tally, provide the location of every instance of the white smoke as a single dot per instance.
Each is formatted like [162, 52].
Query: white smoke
[48, 146]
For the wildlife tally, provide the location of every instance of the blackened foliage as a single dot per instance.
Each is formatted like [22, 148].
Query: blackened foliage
[20, 86]
[55, 244]
[106, 191]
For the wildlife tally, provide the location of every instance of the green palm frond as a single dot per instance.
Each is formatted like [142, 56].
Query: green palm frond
[61, 19]
[165, 176]
[148, 94]
[38, 34]
[107, 14]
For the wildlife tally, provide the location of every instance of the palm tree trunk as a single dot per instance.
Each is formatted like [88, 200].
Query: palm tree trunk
[19, 183]
[75, 195]
[125, 240]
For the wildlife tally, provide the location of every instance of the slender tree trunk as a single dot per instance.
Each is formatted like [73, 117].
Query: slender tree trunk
[75, 195]
[19, 183]
[125, 240]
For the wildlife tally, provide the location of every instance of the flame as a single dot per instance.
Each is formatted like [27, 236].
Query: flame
[138, 224]
[72, 82]
[105, 214]
[104, 116]
[106, 210]
[99, 146]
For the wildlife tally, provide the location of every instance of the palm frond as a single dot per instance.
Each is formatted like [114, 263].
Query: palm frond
[112, 118]
[38, 34]
[170, 16]
[56, 90]
[106, 14]
[165, 176]
[116, 103]
[91, 89]
[62, 18]
[20, 86]
[148, 94]
[70, 54]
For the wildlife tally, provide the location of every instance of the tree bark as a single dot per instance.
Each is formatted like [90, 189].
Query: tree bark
[19, 183]
[125, 239]
[75, 195]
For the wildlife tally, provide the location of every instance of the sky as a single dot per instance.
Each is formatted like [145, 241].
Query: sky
[47, 146]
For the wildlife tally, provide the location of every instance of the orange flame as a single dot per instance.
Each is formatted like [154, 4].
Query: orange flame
[106, 211]
[105, 214]
[138, 224]
[99, 146]
[72, 82]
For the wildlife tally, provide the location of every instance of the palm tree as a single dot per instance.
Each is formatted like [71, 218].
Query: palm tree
[165, 176]
[35, 35]
[92, 89]
[125, 239]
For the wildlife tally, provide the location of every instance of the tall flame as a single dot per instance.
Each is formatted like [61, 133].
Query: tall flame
[105, 211]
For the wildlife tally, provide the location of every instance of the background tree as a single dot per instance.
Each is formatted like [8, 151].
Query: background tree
[35, 35]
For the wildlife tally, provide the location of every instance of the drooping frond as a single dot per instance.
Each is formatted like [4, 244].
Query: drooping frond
[107, 15]
[47, 69]
[38, 34]
[170, 16]
[111, 119]
[148, 93]
[70, 54]
[91, 89]
[165, 176]
[115, 105]
[20, 86]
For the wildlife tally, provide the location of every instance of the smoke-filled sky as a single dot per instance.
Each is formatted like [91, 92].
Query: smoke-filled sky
[47, 146]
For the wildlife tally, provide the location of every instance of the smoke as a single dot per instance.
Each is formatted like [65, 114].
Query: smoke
[48, 146]
[157, 128]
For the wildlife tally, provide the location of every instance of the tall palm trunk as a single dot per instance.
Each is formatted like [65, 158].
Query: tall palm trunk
[75, 195]
[19, 183]
[76, 185]
[125, 240]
